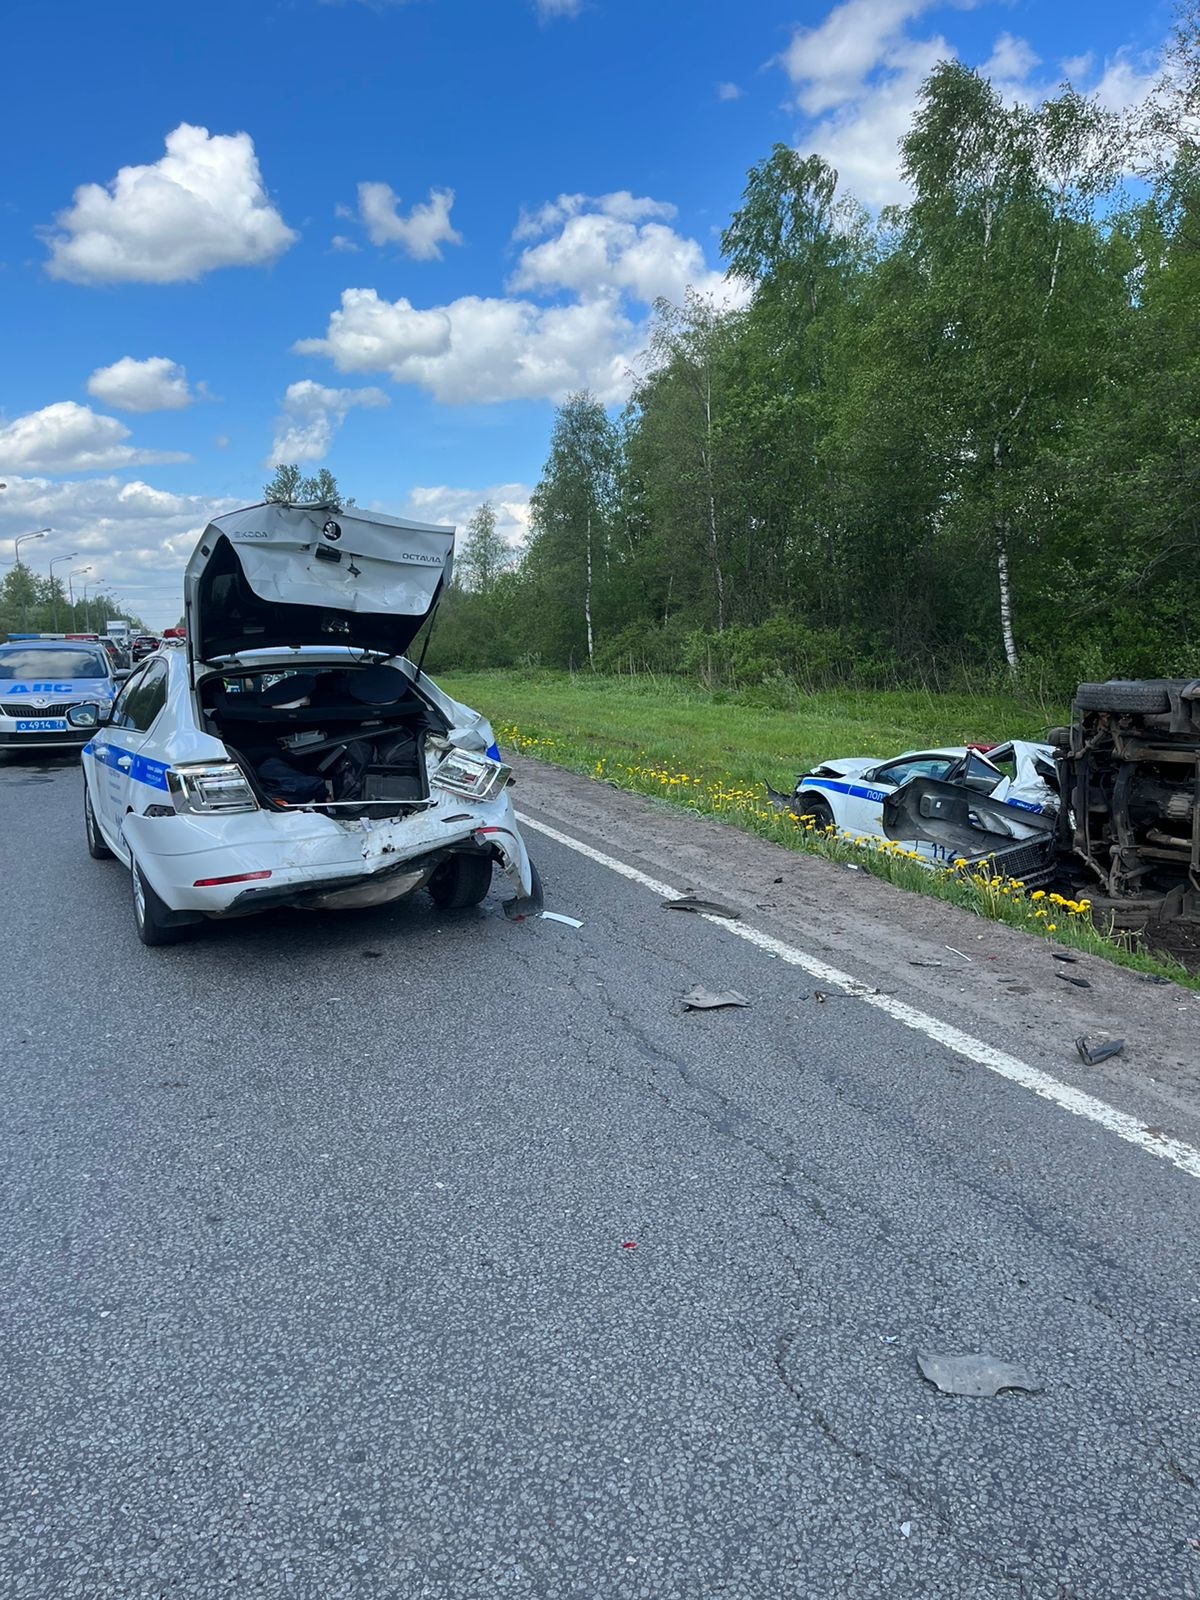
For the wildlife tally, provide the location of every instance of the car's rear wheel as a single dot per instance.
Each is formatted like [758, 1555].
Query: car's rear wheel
[97, 848]
[807, 805]
[154, 922]
[463, 880]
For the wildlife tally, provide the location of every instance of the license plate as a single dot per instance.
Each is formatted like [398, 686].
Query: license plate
[42, 725]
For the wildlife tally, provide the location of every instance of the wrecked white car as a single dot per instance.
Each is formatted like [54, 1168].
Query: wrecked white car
[1018, 780]
[292, 755]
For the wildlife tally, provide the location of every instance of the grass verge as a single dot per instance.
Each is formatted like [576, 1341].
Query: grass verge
[712, 754]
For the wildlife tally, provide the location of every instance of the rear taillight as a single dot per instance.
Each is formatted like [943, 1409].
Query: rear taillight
[214, 787]
[236, 877]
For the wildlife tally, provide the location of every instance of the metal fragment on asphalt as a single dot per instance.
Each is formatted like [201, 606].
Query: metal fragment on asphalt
[1061, 955]
[1069, 977]
[557, 916]
[711, 908]
[1093, 1054]
[699, 998]
[975, 1375]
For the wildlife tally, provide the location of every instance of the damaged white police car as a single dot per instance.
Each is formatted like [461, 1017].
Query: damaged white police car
[292, 755]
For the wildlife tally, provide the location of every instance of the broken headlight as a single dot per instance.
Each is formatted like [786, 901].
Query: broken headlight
[215, 786]
[472, 776]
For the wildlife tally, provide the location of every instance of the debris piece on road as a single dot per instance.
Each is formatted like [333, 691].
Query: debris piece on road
[701, 999]
[978, 1376]
[628, 1244]
[557, 916]
[1069, 977]
[776, 880]
[820, 996]
[711, 908]
[955, 952]
[927, 963]
[1062, 955]
[1093, 1054]
[1152, 977]
[905, 1529]
[851, 866]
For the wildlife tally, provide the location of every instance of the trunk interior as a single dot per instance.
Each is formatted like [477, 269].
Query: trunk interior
[347, 740]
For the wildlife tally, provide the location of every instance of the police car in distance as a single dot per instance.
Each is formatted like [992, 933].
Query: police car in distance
[290, 754]
[42, 677]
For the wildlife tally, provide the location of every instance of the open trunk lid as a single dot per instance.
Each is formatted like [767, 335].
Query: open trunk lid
[283, 576]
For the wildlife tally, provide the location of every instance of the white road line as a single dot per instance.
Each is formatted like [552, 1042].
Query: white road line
[1184, 1156]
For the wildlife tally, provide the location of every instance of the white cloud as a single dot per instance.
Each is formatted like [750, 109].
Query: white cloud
[154, 384]
[1126, 81]
[136, 538]
[728, 91]
[610, 267]
[201, 206]
[621, 205]
[1011, 61]
[67, 437]
[442, 504]
[312, 414]
[477, 349]
[549, 9]
[830, 63]
[421, 233]
[857, 76]
[340, 242]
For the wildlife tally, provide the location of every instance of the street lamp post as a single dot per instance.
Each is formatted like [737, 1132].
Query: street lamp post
[53, 590]
[23, 538]
[78, 572]
[87, 615]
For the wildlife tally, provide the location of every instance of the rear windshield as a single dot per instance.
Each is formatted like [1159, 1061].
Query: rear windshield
[19, 662]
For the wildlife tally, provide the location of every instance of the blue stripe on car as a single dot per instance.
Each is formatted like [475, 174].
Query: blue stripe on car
[836, 786]
[141, 770]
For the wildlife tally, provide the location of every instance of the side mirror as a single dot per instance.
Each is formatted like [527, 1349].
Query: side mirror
[88, 715]
[121, 673]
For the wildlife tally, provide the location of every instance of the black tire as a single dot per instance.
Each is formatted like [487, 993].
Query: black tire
[808, 805]
[463, 880]
[154, 923]
[1124, 694]
[97, 848]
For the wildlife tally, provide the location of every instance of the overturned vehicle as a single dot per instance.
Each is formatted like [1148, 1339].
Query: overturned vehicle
[1127, 772]
[1129, 768]
[293, 755]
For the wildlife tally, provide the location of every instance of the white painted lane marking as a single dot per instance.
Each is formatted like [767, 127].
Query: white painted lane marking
[1184, 1156]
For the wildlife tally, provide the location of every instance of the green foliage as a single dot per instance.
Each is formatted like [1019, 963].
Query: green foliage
[33, 604]
[960, 446]
[289, 486]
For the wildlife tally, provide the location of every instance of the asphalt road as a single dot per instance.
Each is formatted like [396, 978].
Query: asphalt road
[426, 1256]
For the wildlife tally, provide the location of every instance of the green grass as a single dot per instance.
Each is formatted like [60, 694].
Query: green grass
[711, 753]
[720, 736]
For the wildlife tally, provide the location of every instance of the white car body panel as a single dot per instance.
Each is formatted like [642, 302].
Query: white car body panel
[296, 853]
[855, 792]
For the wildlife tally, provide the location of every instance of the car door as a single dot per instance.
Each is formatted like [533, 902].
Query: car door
[117, 746]
[885, 780]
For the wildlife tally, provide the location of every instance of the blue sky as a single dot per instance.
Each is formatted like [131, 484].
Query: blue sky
[388, 237]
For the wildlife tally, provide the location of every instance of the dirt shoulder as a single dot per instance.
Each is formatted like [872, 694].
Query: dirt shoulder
[986, 978]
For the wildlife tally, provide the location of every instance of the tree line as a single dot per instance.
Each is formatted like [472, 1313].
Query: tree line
[30, 603]
[955, 441]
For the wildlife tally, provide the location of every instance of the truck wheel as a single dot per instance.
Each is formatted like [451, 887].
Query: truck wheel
[97, 848]
[1124, 694]
[151, 917]
[463, 880]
